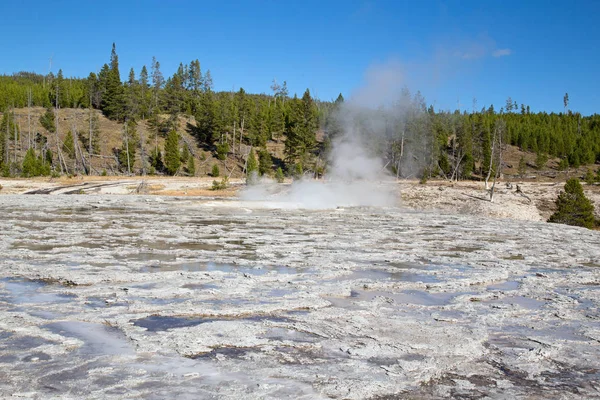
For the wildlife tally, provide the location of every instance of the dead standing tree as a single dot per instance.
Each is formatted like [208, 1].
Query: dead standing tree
[496, 158]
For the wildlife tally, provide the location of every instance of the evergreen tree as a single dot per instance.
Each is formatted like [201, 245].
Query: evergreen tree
[34, 166]
[47, 120]
[265, 162]
[301, 125]
[30, 167]
[68, 145]
[185, 154]
[279, 177]
[156, 161]
[191, 166]
[222, 150]
[172, 156]
[522, 167]
[251, 168]
[574, 208]
[540, 160]
[143, 100]
[215, 171]
[113, 101]
[589, 177]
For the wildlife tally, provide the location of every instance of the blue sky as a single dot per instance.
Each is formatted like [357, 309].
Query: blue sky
[453, 51]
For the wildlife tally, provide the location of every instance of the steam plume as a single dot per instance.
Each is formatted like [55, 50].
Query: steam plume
[381, 129]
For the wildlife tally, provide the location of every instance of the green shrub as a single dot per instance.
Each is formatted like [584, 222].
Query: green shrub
[251, 169]
[222, 151]
[215, 171]
[522, 167]
[573, 207]
[191, 166]
[540, 160]
[425, 176]
[34, 165]
[223, 184]
[564, 164]
[279, 177]
[589, 177]
[265, 162]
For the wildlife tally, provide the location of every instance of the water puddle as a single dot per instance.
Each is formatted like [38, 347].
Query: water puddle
[504, 286]
[157, 323]
[39, 247]
[284, 334]
[227, 268]
[14, 343]
[415, 297]
[28, 292]
[147, 257]
[200, 286]
[520, 301]
[381, 274]
[98, 339]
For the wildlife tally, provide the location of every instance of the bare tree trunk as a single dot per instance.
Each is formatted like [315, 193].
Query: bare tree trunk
[142, 149]
[455, 170]
[487, 178]
[233, 143]
[61, 159]
[499, 162]
[127, 149]
[91, 118]
[241, 134]
[6, 137]
[16, 135]
[29, 118]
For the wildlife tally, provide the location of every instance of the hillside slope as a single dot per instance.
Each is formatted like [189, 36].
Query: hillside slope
[111, 137]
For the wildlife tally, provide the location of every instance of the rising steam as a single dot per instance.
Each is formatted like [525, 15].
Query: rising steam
[378, 135]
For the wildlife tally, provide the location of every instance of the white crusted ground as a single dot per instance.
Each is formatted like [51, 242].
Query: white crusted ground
[158, 297]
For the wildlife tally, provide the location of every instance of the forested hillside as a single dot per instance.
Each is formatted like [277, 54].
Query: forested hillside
[149, 124]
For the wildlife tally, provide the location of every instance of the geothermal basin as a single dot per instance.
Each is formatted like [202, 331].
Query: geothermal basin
[157, 297]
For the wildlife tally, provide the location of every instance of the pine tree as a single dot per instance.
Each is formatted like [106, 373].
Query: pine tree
[156, 161]
[301, 125]
[589, 177]
[68, 145]
[215, 171]
[47, 121]
[185, 154]
[265, 162]
[113, 101]
[191, 166]
[574, 208]
[143, 100]
[522, 167]
[172, 156]
[30, 167]
[540, 160]
[279, 177]
[251, 168]
[34, 166]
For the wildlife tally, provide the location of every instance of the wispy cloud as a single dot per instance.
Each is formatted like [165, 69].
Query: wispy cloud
[482, 46]
[501, 52]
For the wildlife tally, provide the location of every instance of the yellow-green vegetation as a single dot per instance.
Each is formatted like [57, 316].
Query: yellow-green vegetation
[220, 185]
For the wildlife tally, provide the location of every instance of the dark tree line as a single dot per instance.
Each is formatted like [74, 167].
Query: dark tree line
[412, 138]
